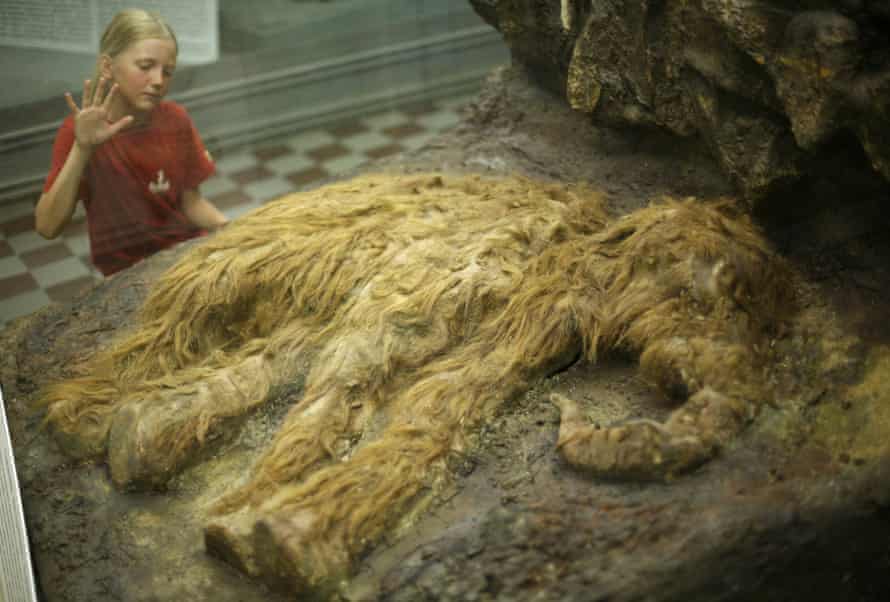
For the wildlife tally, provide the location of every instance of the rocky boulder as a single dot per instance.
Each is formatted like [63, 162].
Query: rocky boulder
[767, 85]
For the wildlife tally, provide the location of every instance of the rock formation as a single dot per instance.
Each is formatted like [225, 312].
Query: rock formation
[767, 85]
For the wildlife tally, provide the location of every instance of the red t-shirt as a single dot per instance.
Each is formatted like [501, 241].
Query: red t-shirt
[132, 186]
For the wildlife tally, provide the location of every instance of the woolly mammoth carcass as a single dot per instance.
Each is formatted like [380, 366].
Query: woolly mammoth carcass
[415, 306]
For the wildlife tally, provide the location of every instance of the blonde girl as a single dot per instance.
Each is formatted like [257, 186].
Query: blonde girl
[134, 159]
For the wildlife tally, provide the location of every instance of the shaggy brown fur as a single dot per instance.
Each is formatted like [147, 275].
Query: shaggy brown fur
[422, 303]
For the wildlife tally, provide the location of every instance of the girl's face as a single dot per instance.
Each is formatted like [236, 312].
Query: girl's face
[142, 72]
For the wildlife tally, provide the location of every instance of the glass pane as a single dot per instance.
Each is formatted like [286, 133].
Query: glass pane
[281, 93]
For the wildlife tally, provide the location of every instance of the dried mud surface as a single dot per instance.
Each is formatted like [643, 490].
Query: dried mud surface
[797, 509]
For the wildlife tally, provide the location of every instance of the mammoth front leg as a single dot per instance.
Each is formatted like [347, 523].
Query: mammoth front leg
[151, 438]
[724, 387]
[646, 449]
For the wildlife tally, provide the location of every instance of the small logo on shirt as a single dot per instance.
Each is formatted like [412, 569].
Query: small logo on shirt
[161, 184]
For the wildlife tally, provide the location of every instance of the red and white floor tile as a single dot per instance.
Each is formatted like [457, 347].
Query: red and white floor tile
[35, 272]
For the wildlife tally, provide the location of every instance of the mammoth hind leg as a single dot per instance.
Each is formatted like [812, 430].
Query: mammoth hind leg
[306, 536]
[307, 531]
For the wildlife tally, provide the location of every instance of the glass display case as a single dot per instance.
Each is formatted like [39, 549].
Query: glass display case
[283, 93]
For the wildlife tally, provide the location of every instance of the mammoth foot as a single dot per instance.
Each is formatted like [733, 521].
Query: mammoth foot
[284, 549]
[148, 444]
[151, 440]
[646, 449]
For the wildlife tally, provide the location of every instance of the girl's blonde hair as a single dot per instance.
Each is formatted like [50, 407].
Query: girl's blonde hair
[126, 28]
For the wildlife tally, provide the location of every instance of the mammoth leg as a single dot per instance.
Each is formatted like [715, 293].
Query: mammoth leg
[646, 449]
[305, 537]
[196, 309]
[306, 534]
[302, 525]
[154, 437]
[718, 409]
[344, 391]
[316, 423]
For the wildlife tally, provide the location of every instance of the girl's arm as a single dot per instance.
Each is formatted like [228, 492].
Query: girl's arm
[56, 206]
[91, 128]
[200, 211]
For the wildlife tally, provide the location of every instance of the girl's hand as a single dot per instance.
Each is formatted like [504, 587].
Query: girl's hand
[92, 125]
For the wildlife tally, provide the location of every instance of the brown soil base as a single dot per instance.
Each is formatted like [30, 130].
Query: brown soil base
[795, 510]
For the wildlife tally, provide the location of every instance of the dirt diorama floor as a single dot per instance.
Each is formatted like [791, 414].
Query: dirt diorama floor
[795, 509]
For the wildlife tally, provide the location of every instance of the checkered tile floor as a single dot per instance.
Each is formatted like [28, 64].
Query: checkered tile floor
[35, 272]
